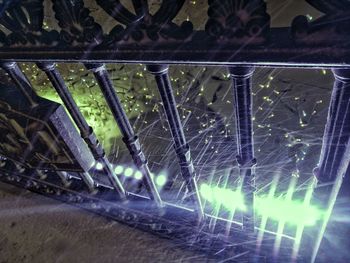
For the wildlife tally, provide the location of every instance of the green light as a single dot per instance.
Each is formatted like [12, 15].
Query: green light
[293, 212]
[138, 175]
[128, 172]
[119, 169]
[279, 209]
[99, 166]
[225, 197]
[206, 192]
[161, 180]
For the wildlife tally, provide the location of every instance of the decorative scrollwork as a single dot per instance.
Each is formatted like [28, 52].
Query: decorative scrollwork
[143, 26]
[238, 19]
[235, 22]
[332, 27]
[25, 21]
[77, 26]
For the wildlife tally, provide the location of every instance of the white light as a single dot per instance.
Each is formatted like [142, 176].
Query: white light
[138, 175]
[161, 180]
[119, 169]
[128, 172]
[99, 166]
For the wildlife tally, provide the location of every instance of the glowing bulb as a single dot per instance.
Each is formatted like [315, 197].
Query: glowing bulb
[119, 169]
[128, 172]
[138, 175]
[161, 180]
[99, 166]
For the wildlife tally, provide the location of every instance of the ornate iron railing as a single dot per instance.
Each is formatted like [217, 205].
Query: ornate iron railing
[58, 160]
[236, 32]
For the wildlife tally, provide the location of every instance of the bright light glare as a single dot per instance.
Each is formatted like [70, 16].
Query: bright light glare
[128, 172]
[293, 212]
[119, 169]
[225, 197]
[138, 175]
[290, 211]
[161, 180]
[99, 166]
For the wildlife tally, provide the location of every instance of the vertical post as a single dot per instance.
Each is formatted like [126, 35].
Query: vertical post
[335, 153]
[242, 88]
[86, 131]
[23, 84]
[129, 137]
[181, 147]
[337, 131]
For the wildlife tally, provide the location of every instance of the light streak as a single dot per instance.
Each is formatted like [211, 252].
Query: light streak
[300, 228]
[283, 220]
[264, 218]
[294, 212]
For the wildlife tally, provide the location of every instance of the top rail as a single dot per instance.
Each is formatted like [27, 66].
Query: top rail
[235, 32]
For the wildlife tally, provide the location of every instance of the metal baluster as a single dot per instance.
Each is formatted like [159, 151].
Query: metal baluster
[181, 147]
[129, 137]
[86, 131]
[23, 84]
[337, 131]
[335, 153]
[64, 178]
[242, 88]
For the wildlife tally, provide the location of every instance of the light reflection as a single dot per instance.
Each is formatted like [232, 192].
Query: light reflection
[99, 166]
[225, 197]
[282, 222]
[265, 217]
[293, 212]
[161, 180]
[119, 169]
[138, 175]
[128, 172]
[300, 228]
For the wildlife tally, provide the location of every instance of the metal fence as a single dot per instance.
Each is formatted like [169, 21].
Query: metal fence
[58, 158]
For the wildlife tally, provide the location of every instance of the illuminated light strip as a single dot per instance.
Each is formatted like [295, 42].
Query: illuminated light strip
[226, 197]
[217, 207]
[300, 228]
[264, 218]
[204, 189]
[282, 222]
[160, 180]
[231, 216]
[219, 204]
[284, 210]
[277, 209]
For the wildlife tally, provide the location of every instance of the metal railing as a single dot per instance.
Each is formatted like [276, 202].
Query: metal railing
[156, 41]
